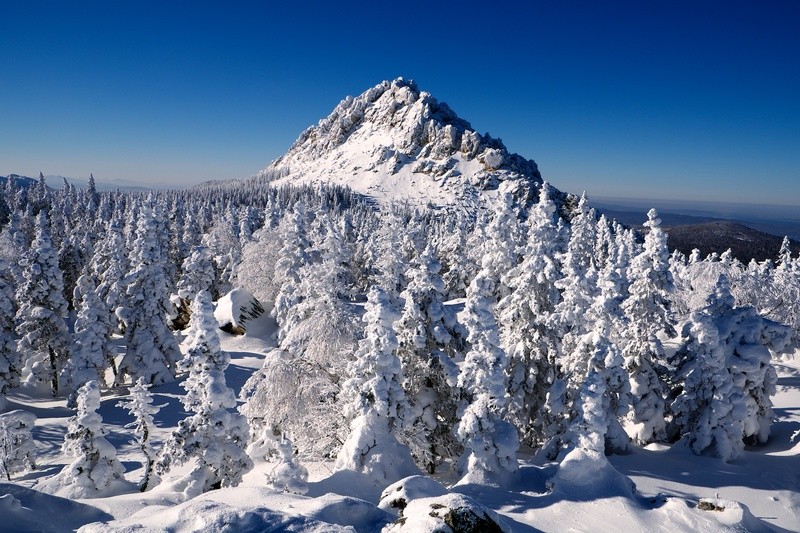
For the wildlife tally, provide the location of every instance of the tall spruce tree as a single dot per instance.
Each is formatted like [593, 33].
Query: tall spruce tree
[490, 443]
[45, 340]
[151, 348]
[213, 435]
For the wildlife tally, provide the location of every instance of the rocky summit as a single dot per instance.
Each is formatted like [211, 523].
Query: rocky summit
[397, 143]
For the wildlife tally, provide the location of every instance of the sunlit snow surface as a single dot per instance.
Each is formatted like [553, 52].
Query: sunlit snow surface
[759, 491]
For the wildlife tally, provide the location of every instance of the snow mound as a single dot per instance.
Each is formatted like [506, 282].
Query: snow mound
[235, 309]
[24, 509]
[395, 142]
[396, 496]
[253, 509]
[211, 517]
[451, 513]
[345, 511]
[731, 514]
[586, 475]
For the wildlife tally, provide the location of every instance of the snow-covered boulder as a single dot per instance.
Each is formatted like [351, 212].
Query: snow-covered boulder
[731, 514]
[235, 309]
[396, 496]
[451, 513]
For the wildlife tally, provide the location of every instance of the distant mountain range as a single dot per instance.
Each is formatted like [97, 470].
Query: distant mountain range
[57, 181]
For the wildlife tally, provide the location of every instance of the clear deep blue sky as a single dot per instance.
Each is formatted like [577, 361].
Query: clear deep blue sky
[648, 99]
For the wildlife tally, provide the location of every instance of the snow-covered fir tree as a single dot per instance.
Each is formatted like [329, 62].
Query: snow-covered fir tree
[728, 376]
[10, 358]
[92, 349]
[579, 288]
[376, 401]
[647, 309]
[109, 265]
[151, 349]
[213, 436]
[96, 466]
[527, 331]
[140, 406]
[197, 274]
[293, 256]
[490, 443]
[426, 348]
[44, 338]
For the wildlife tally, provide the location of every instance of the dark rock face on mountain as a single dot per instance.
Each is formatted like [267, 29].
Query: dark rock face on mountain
[397, 143]
[716, 237]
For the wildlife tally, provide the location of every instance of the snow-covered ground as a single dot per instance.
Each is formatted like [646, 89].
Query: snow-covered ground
[759, 491]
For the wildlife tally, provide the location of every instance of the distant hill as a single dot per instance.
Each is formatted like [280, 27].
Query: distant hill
[719, 235]
[19, 181]
[56, 182]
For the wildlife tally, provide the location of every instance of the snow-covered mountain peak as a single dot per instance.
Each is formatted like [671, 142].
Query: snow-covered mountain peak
[395, 142]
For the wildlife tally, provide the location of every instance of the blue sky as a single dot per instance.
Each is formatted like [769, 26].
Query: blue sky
[696, 100]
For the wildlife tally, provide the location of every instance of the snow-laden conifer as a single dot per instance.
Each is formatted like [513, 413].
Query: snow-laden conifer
[728, 376]
[151, 349]
[17, 448]
[96, 465]
[647, 309]
[213, 436]
[293, 256]
[197, 274]
[89, 354]
[376, 401]
[527, 331]
[10, 359]
[578, 286]
[110, 267]
[140, 406]
[602, 398]
[45, 340]
[490, 443]
[426, 348]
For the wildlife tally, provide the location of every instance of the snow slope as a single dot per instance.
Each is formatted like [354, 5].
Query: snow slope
[760, 491]
[395, 142]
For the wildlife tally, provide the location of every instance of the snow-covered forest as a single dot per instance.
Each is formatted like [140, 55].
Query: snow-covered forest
[467, 348]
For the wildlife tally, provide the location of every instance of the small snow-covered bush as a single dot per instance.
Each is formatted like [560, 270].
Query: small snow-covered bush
[16, 444]
[289, 475]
